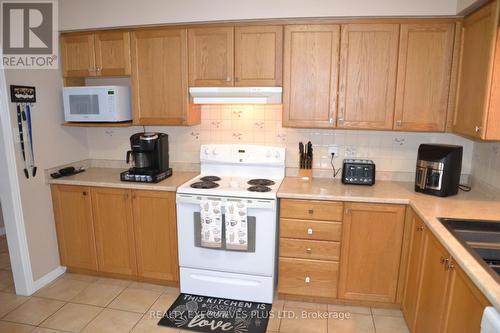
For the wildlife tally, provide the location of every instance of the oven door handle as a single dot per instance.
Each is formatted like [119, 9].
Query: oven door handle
[224, 280]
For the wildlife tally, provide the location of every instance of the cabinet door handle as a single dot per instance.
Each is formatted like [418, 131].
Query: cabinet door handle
[311, 211]
[309, 231]
[450, 267]
[308, 250]
[420, 228]
[308, 279]
[98, 68]
[84, 193]
[443, 260]
[228, 79]
[478, 129]
[398, 123]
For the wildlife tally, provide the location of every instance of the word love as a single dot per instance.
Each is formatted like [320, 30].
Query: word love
[200, 321]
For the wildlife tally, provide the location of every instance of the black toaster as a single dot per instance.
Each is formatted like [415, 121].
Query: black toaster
[358, 172]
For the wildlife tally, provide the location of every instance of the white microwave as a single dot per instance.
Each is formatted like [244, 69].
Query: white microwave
[97, 104]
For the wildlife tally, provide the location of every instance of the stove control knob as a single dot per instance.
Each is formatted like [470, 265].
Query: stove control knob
[214, 152]
[206, 152]
[268, 153]
[277, 154]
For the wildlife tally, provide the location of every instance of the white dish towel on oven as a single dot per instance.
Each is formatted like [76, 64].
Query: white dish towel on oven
[236, 225]
[211, 223]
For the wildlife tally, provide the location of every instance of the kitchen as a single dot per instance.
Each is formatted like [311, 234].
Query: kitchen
[375, 87]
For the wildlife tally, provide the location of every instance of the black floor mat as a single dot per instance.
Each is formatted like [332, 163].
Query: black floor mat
[216, 315]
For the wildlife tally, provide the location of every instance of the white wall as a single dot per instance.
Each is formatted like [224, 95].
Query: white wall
[54, 145]
[2, 225]
[78, 14]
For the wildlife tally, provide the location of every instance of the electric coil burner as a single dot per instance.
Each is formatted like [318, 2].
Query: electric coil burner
[210, 179]
[204, 185]
[259, 188]
[263, 182]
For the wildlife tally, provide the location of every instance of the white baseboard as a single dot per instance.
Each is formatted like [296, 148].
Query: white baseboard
[48, 278]
[2, 231]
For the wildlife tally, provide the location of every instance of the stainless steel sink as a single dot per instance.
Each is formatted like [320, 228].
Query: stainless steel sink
[481, 238]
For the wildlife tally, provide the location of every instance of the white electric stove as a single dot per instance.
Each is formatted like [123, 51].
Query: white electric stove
[229, 173]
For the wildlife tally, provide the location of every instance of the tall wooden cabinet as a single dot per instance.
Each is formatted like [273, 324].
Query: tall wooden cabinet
[160, 78]
[75, 231]
[372, 238]
[367, 83]
[478, 96]
[101, 53]
[155, 234]
[310, 75]
[424, 76]
[114, 233]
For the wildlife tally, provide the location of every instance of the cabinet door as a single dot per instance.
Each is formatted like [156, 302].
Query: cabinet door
[155, 235]
[413, 273]
[368, 64]
[478, 44]
[258, 55]
[159, 77]
[114, 230]
[465, 305]
[371, 250]
[77, 54]
[424, 73]
[112, 53]
[211, 57]
[75, 232]
[432, 293]
[310, 75]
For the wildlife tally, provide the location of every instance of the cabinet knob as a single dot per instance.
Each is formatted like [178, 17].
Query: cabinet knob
[443, 260]
[450, 267]
[84, 193]
[309, 231]
[420, 228]
[348, 211]
[98, 68]
[398, 122]
[311, 211]
[308, 279]
[478, 129]
[228, 79]
[308, 250]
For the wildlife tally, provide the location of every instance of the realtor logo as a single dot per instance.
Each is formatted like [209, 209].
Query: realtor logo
[29, 34]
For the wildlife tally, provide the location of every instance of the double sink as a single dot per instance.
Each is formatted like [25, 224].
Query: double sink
[481, 238]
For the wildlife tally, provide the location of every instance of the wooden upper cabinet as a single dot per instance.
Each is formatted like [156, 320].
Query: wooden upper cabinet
[75, 231]
[424, 73]
[413, 271]
[258, 55]
[310, 75]
[155, 235]
[211, 56]
[432, 292]
[368, 66]
[77, 54]
[465, 304]
[112, 53]
[372, 239]
[160, 78]
[478, 96]
[114, 230]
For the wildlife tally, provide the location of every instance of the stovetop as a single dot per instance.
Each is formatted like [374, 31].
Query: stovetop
[245, 187]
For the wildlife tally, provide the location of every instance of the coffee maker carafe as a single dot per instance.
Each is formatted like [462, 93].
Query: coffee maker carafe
[148, 157]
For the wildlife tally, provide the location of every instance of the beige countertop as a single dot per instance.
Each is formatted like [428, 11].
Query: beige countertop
[110, 177]
[473, 205]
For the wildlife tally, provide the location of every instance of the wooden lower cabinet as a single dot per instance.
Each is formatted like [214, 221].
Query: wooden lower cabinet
[414, 270]
[75, 231]
[308, 277]
[155, 235]
[117, 232]
[114, 230]
[372, 239]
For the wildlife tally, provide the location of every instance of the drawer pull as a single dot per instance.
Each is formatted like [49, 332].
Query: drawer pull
[309, 231]
[311, 211]
[308, 250]
[308, 279]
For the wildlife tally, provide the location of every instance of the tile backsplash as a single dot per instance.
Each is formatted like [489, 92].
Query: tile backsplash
[261, 124]
[486, 164]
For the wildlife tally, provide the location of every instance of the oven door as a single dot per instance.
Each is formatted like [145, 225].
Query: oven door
[259, 259]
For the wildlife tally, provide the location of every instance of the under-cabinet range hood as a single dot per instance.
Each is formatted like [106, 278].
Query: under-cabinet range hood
[235, 95]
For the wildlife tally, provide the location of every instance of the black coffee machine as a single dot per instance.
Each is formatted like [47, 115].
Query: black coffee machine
[438, 169]
[149, 158]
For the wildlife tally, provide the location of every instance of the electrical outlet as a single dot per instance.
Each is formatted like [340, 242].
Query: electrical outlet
[333, 149]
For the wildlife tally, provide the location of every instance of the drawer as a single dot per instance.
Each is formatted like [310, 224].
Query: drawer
[312, 210]
[309, 249]
[305, 229]
[308, 277]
